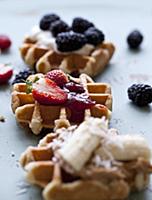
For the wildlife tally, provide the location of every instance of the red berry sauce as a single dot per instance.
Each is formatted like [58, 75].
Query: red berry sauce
[77, 103]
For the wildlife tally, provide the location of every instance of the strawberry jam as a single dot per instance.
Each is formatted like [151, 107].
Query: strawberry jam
[74, 87]
[77, 103]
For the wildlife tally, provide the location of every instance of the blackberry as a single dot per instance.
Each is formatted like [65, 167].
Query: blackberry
[140, 94]
[80, 25]
[75, 74]
[22, 76]
[94, 36]
[59, 26]
[46, 21]
[134, 39]
[70, 41]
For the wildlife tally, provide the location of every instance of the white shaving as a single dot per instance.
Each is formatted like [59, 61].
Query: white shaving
[99, 162]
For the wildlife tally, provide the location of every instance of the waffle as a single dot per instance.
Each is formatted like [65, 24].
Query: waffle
[111, 179]
[36, 116]
[44, 59]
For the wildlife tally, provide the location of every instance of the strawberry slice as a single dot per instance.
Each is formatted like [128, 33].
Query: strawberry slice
[46, 92]
[58, 76]
[5, 73]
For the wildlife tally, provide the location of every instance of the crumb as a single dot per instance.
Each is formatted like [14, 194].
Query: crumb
[17, 163]
[2, 119]
[22, 188]
[21, 191]
[12, 154]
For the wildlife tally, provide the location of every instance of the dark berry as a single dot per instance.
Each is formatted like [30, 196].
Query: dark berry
[140, 94]
[80, 25]
[94, 36]
[46, 21]
[70, 41]
[59, 26]
[75, 74]
[22, 76]
[74, 87]
[5, 42]
[134, 39]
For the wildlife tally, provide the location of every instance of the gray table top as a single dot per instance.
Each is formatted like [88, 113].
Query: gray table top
[116, 19]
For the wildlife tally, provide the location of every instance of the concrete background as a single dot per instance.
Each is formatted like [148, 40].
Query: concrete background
[116, 19]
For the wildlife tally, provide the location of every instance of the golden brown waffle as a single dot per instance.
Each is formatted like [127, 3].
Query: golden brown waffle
[104, 182]
[28, 111]
[44, 60]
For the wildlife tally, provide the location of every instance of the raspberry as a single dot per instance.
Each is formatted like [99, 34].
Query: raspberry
[80, 25]
[70, 41]
[59, 26]
[46, 21]
[22, 76]
[134, 39]
[5, 42]
[94, 36]
[58, 76]
[140, 94]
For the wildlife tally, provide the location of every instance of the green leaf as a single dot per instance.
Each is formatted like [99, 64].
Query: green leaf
[28, 86]
[36, 79]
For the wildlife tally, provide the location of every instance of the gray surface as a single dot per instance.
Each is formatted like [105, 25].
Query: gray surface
[116, 18]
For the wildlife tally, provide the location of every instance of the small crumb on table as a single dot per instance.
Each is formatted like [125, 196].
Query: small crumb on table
[2, 119]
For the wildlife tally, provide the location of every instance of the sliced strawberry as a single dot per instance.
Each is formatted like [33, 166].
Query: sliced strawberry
[5, 73]
[46, 92]
[58, 76]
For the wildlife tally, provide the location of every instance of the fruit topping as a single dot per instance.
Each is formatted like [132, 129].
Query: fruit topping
[5, 73]
[75, 74]
[22, 76]
[59, 26]
[80, 25]
[46, 92]
[5, 42]
[94, 36]
[46, 21]
[74, 87]
[70, 41]
[58, 76]
[134, 39]
[140, 94]
[77, 103]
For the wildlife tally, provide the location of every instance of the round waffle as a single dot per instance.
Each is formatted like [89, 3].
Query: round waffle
[111, 179]
[37, 116]
[43, 59]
